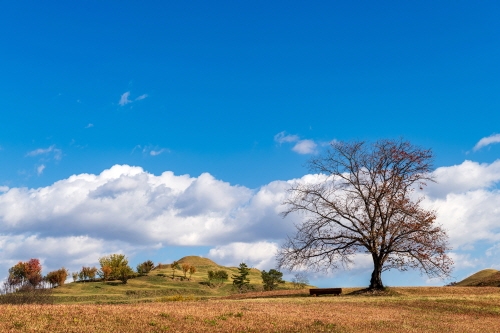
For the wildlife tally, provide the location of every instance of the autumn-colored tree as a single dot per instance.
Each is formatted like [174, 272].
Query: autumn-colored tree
[28, 273]
[57, 278]
[87, 273]
[145, 267]
[105, 273]
[120, 270]
[192, 270]
[75, 276]
[91, 273]
[363, 201]
[174, 266]
[185, 268]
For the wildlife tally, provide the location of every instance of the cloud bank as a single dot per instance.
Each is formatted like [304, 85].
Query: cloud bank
[127, 209]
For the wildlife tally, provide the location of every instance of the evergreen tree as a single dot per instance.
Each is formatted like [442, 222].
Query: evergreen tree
[241, 280]
[271, 279]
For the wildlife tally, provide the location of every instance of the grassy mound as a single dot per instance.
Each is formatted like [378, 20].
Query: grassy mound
[158, 285]
[486, 277]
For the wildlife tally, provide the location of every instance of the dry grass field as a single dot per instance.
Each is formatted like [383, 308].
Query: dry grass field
[419, 309]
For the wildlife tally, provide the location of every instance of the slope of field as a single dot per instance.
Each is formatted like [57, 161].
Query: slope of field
[157, 284]
[486, 277]
[424, 309]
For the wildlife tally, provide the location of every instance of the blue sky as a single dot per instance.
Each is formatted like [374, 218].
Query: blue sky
[237, 95]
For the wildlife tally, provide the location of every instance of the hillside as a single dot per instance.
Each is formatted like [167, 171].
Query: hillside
[157, 284]
[486, 277]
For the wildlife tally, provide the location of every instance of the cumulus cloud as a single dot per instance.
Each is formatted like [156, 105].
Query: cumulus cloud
[469, 217]
[134, 209]
[301, 146]
[259, 254]
[128, 204]
[305, 147]
[125, 208]
[124, 100]
[486, 141]
[52, 150]
[73, 252]
[464, 177]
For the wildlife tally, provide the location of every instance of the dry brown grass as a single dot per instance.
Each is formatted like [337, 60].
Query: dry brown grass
[451, 309]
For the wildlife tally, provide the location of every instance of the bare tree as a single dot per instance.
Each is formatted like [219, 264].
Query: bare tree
[364, 202]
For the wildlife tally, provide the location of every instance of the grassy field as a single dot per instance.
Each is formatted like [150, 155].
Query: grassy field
[418, 309]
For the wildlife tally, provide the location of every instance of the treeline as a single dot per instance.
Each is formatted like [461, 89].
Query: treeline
[27, 275]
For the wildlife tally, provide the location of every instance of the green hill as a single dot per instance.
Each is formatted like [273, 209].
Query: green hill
[486, 277]
[158, 284]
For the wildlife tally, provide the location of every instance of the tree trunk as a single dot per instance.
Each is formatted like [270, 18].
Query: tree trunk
[376, 279]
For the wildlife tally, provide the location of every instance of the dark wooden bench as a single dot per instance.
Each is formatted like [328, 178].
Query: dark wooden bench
[325, 291]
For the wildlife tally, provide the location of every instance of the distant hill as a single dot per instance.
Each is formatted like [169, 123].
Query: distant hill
[486, 277]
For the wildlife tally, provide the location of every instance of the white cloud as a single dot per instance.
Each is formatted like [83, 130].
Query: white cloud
[464, 177]
[157, 152]
[305, 147]
[124, 99]
[72, 252]
[151, 150]
[57, 153]
[301, 146]
[128, 204]
[282, 137]
[486, 141]
[89, 125]
[259, 254]
[39, 169]
[126, 208]
[466, 199]
[469, 217]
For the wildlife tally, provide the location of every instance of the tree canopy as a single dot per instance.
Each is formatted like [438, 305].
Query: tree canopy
[364, 201]
[272, 279]
[115, 266]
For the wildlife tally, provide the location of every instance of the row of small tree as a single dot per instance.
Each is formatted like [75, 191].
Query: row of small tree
[185, 267]
[270, 280]
[113, 267]
[28, 274]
